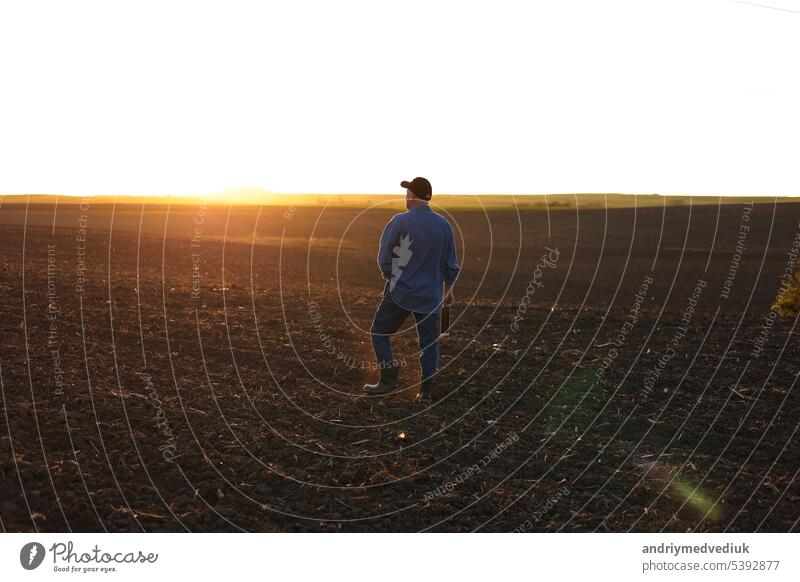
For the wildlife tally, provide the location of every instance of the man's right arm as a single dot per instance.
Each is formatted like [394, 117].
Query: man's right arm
[448, 294]
[451, 268]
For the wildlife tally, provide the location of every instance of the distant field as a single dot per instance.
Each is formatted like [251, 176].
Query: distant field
[395, 201]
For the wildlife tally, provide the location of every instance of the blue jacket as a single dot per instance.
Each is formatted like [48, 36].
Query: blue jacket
[418, 254]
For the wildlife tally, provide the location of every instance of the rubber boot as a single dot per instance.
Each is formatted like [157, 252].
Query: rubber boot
[425, 395]
[387, 383]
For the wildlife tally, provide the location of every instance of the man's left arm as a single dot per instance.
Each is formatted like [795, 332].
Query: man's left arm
[385, 252]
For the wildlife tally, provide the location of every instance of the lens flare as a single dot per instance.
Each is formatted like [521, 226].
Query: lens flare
[572, 402]
[690, 493]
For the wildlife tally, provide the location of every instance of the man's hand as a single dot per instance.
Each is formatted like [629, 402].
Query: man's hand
[448, 294]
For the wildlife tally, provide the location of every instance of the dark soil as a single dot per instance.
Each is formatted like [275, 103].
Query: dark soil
[240, 408]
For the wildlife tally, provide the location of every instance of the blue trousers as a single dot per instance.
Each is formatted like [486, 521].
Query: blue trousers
[388, 320]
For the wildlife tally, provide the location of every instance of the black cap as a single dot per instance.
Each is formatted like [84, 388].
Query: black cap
[420, 187]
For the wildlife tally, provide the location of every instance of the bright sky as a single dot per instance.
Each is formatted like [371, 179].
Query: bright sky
[670, 96]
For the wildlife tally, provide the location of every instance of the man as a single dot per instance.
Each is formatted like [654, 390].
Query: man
[417, 257]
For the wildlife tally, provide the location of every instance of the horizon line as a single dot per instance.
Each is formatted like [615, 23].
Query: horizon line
[256, 192]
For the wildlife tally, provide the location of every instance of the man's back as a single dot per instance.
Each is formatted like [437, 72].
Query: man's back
[417, 255]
